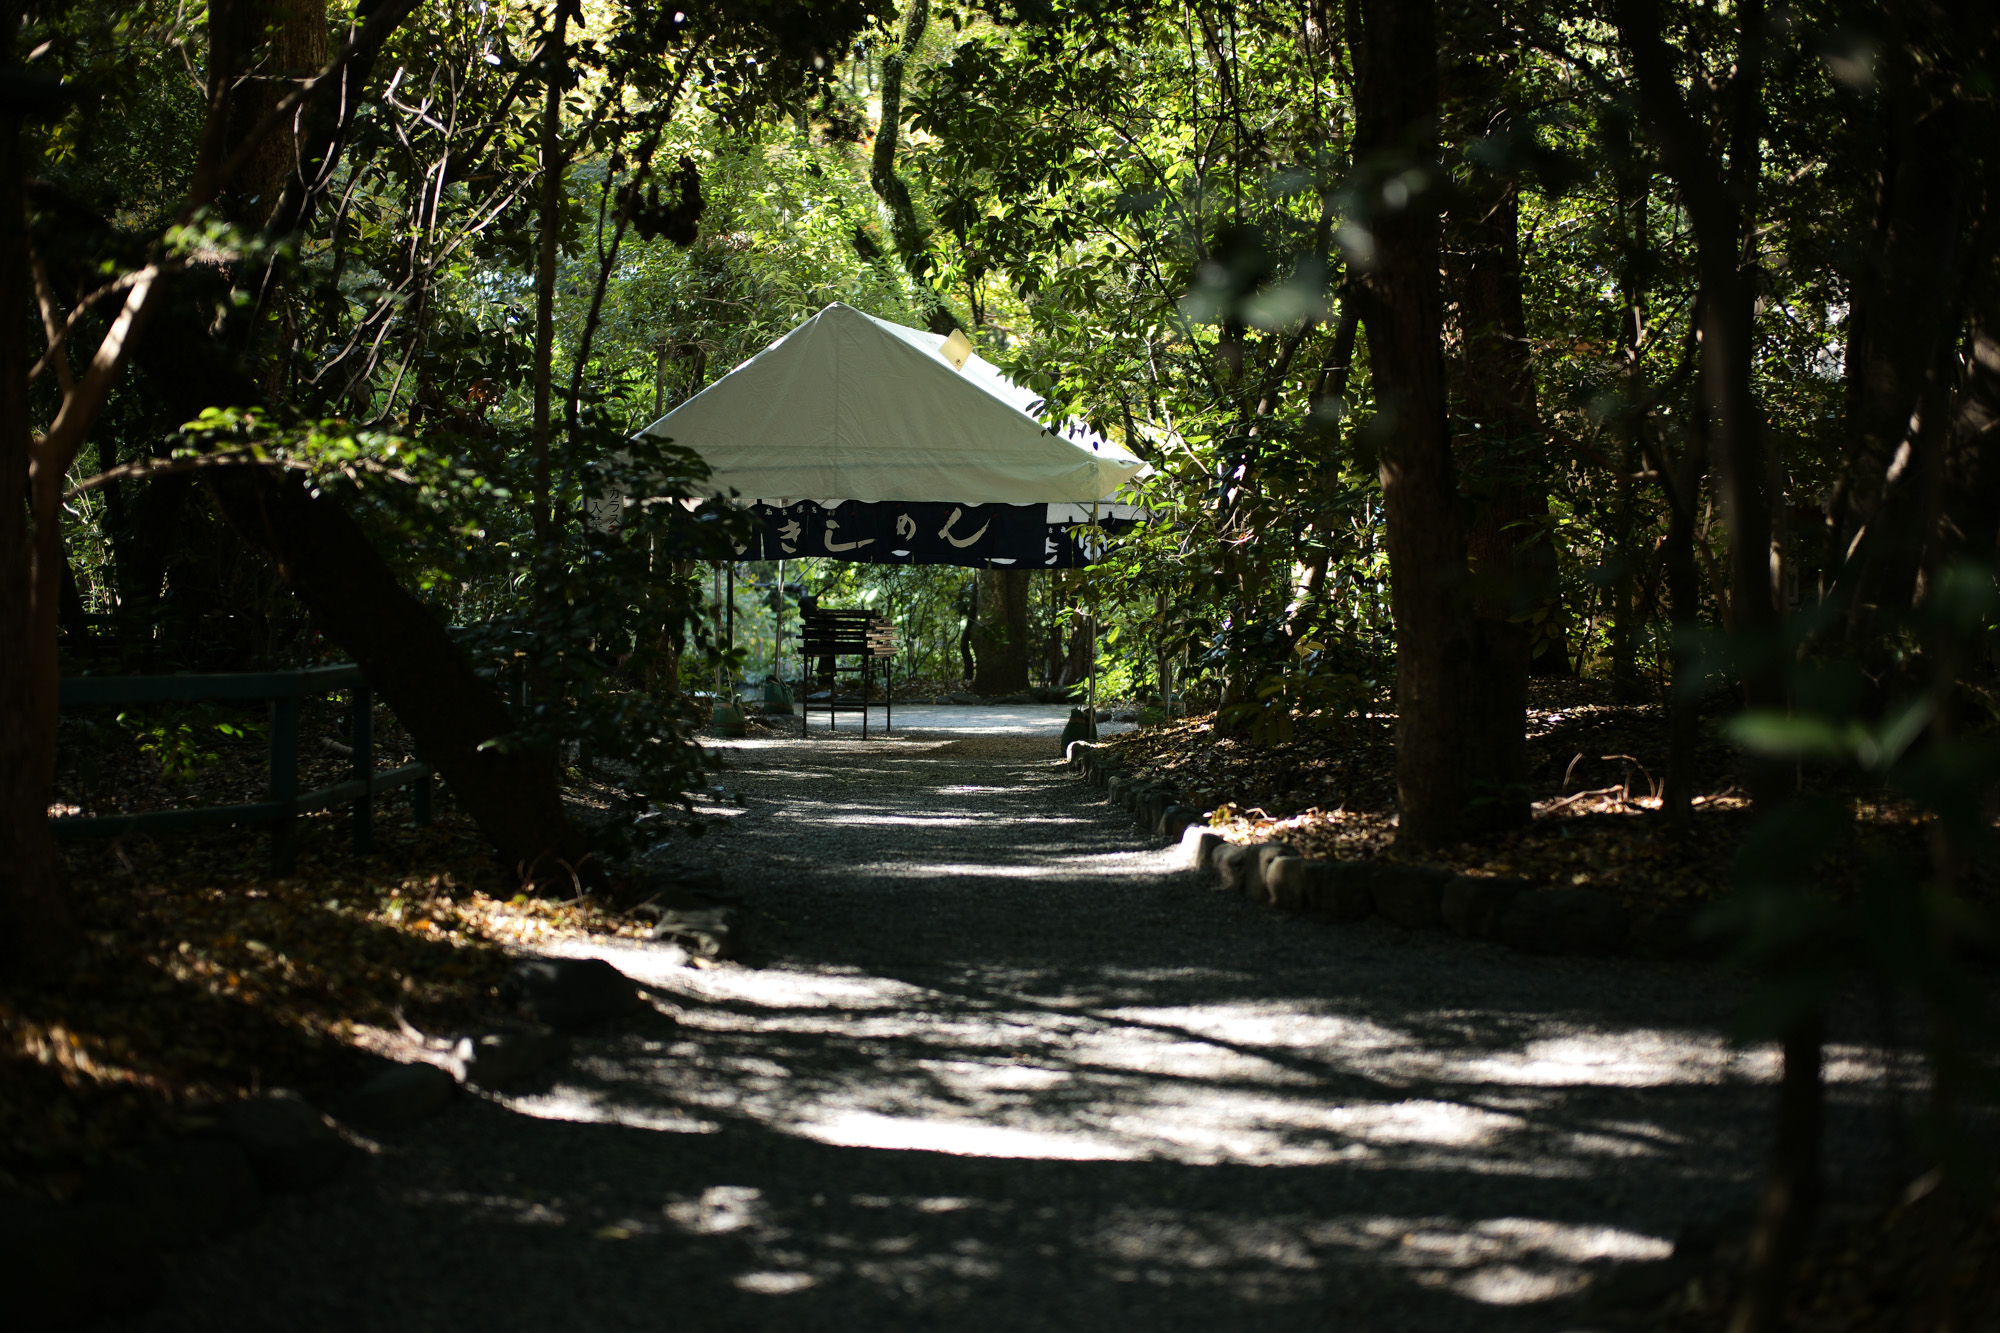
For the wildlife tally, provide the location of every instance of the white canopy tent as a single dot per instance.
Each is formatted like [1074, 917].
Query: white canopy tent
[850, 407]
[854, 435]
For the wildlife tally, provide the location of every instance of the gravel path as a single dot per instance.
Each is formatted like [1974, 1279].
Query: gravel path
[1006, 1066]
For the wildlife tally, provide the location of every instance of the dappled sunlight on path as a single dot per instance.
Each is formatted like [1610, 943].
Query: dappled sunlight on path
[1004, 1064]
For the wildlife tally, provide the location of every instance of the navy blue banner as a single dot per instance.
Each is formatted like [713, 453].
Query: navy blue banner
[923, 533]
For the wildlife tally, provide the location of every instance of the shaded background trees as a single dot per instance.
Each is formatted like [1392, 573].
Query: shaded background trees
[1638, 341]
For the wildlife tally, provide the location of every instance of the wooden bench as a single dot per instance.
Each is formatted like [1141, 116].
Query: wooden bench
[831, 635]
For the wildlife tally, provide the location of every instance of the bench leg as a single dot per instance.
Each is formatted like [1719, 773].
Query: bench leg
[361, 735]
[284, 783]
[420, 794]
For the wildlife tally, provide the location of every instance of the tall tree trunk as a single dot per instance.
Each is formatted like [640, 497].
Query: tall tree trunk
[889, 187]
[548, 219]
[1069, 634]
[47, 456]
[1684, 608]
[1720, 205]
[1440, 651]
[1718, 201]
[1000, 645]
[1635, 269]
[1073, 668]
[1906, 316]
[38, 936]
[1256, 539]
[1972, 505]
[1791, 1194]
[1500, 446]
[277, 43]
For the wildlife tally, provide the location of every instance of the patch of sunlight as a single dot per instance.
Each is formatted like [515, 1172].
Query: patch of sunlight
[1496, 1260]
[973, 1075]
[1510, 1284]
[1279, 1025]
[945, 1204]
[774, 1283]
[929, 870]
[1234, 1082]
[960, 1138]
[566, 1102]
[1852, 1064]
[649, 964]
[781, 988]
[1041, 865]
[1576, 1242]
[719, 1210]
[1636, 1058]
[923, 1272]
[1212, 1126]
[1513, 1259]
[1212, 1131]
[1609, 1145]
[1444, 1124]
[1140, 1051]
[1642, 1129]
[901, 821]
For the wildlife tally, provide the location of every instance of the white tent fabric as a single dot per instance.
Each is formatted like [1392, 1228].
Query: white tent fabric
[850, 407]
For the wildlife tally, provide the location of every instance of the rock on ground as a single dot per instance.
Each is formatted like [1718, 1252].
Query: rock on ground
[398, 1097]
[291, 1146]
[569, 994]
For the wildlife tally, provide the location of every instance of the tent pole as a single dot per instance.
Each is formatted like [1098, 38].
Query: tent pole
[778, 639]
[1093, 661]
[1091, 584]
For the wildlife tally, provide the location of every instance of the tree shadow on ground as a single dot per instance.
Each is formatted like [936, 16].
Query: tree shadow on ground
[1006, 1070]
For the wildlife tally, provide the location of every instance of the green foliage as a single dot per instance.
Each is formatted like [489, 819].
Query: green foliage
[1909, 924]
[180, 737]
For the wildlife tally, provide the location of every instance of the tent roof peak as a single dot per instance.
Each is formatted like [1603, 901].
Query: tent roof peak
[856, 407]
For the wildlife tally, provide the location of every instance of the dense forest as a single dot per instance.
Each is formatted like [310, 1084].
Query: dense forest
[1645, 342]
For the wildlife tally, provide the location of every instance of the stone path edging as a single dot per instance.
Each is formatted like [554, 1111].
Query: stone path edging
[1513, 912]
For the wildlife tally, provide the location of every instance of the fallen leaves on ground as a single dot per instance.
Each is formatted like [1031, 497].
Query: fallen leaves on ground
[207, 976]
[1594, 767]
